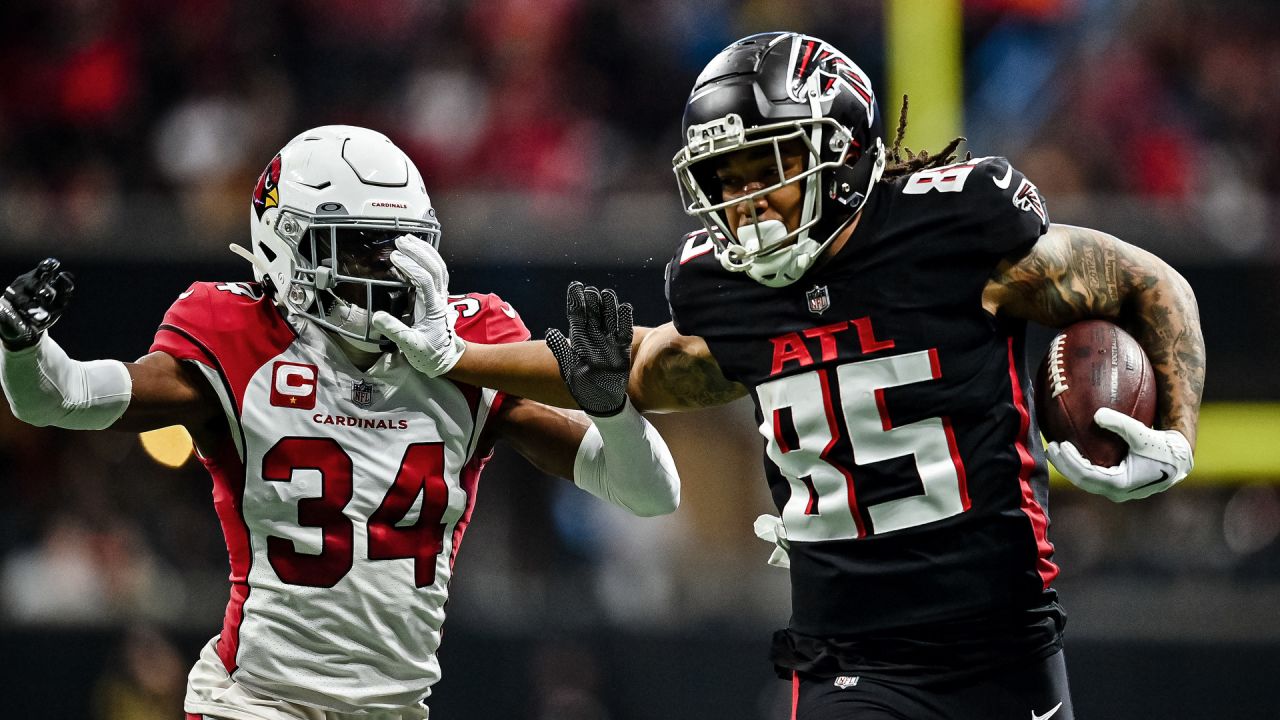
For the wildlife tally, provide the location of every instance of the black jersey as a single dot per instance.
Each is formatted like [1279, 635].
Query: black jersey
[899, 433]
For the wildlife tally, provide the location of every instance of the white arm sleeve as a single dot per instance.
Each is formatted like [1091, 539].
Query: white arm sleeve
[45, 387]
[624, 460]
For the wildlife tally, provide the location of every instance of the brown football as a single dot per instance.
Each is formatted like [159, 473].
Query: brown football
[1093, 364]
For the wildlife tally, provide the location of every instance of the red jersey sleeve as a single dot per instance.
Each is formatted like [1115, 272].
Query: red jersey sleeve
[181, 333]
[230, 327]
[488, 319]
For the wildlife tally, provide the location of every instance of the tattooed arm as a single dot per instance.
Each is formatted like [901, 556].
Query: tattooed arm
[1074, 273]
[672, 372]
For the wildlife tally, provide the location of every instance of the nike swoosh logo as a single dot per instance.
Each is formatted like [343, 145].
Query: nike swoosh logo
[1003, 184]
[509, 311]
[1164, 475]
[1047, 715]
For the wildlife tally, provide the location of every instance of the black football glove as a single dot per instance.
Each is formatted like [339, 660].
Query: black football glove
[595, 360]
[33, 303]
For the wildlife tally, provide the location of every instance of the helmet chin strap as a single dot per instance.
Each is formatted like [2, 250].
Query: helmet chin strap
[360, 346]
[353, 319]
[776, 268]
[760, 235]
[258, 264]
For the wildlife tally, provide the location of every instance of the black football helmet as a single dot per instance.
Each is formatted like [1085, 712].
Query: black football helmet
[767, 90]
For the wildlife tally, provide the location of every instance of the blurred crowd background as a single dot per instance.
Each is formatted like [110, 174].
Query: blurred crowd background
[131, 133]
[142, 118]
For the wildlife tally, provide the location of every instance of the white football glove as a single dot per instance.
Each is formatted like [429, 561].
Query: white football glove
[769, 528]
[430, 344]
[1157, 460]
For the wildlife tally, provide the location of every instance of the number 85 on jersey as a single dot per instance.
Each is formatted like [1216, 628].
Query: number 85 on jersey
[802, 422]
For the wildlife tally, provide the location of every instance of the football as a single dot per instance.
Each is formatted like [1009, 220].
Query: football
[1093, 364]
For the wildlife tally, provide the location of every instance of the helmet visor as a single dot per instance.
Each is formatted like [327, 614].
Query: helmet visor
[354, 264]
[356, 252]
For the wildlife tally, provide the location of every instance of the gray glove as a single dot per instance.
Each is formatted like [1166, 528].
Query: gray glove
[595, 360]
[33, 303]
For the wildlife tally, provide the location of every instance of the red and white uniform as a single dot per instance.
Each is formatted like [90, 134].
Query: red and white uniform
[343, 496]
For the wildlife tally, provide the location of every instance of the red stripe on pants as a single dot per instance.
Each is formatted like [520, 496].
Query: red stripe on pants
[795, 693]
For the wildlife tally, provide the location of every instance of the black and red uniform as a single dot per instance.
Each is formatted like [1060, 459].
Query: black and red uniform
[902, 451]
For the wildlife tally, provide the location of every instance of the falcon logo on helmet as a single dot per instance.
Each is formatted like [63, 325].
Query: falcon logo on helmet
[267, 193]
[812, 56]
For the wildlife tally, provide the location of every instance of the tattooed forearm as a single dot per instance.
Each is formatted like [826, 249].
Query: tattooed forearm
[695, 381]
[1166, 321]
[677, 372]
[1100, 269]
[1076, 273]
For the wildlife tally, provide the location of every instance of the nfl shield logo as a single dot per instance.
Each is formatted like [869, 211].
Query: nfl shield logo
[819, 299]
[362, 393]
[846, 681]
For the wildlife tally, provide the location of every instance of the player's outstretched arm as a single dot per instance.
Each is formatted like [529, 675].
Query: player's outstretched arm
[623, 461]
[46, 387]
[526, 369]
[610, 451]
[670, 372]
[674, 372]
[168, 391]
[1074, 273]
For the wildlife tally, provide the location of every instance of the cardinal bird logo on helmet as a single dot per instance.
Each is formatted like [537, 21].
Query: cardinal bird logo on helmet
[267, 193]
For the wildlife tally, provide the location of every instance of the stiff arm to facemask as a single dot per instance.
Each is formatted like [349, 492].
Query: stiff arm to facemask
[430, 345]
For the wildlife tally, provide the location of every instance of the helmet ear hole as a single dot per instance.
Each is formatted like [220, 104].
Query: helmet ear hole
[267, 252]
[850, 184]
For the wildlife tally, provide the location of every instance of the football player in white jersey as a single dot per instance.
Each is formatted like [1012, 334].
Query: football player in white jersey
[344, 469]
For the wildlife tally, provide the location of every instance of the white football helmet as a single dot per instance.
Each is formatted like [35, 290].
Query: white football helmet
[323, 221]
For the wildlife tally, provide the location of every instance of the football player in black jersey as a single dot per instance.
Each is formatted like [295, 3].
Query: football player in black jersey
[874, 308]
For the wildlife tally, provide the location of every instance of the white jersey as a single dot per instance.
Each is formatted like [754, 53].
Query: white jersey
[343, 496]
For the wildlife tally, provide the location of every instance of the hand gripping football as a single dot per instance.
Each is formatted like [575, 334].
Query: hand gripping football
[1093, 364]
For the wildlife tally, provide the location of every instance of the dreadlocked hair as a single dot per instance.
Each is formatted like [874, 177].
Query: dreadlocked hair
[899, 166]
